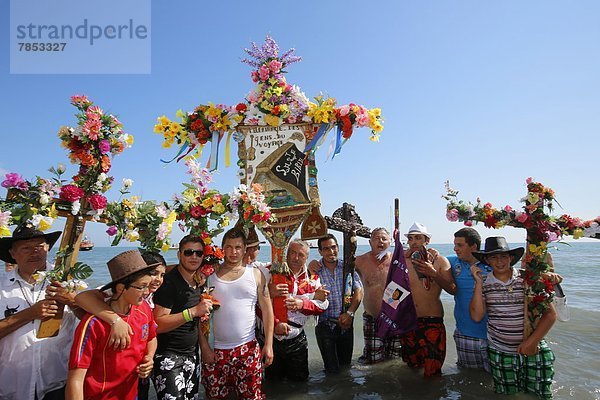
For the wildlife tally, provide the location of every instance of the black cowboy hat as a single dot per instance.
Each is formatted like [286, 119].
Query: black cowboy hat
[25, 232]
[497, 245]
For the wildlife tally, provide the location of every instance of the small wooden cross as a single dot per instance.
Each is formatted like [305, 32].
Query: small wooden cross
[346, 220]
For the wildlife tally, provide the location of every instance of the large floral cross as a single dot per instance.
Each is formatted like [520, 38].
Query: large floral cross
[542, 228]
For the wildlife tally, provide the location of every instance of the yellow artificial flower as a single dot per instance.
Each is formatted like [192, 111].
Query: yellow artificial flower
[4, 231]
[132, 236]
[537, 251]
[171, 218]
[163, 123]
[207, 240]
[212, 111]
[376, 112]
[374, 137]
[45, 224]
[272, 120]
[207, 203]
[165, 247]
[167, 143]
[578, 233]
[181, 114]
[533, 198]
[219, 208]
[224, 222]
[129, 140]
[266, 105]
[53, 213]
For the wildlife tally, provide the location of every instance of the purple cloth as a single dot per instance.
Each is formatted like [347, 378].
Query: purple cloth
[397, 316]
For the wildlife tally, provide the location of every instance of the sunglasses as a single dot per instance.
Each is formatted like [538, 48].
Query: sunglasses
[189, 252]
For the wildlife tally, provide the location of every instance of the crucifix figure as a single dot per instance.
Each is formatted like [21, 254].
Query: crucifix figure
[541, 229]
[346, 220]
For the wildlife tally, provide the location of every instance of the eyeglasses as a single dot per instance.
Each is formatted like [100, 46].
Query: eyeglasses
[140, 288]
[189, 252]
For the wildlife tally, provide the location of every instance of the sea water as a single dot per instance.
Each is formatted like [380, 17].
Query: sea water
[576, 343]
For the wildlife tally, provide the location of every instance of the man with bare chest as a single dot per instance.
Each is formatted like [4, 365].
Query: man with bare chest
[428, 274]
[373, 268]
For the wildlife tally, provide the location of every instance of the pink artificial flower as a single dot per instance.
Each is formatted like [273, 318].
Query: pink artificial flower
[80, 101]
[14, 180]
[521, 217]
[552, 237]
[529, 180]
[254, 76]
[91, 128]
[97, 201]
[452, 215]
[264, 72]
[112, 231]
[71, 193]
[104, 146]
[344, 110]
[362, 119]
[468, 223]
[275, 66]
[507, 208]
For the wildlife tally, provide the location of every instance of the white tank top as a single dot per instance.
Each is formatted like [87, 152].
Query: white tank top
[233, 322]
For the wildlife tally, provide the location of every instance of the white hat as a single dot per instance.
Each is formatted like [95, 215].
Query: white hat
[418, 229]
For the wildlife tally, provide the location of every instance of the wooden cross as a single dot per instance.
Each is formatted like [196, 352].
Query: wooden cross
[346, 220]
[541, 228]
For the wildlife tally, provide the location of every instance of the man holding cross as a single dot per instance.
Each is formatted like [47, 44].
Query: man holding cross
[32, 367]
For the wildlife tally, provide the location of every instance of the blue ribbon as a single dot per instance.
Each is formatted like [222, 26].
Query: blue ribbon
[214, 151]
[180, 152]
[338, 142]
[320, 132]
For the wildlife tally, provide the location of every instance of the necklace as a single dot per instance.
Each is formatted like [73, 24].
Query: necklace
[36, 299]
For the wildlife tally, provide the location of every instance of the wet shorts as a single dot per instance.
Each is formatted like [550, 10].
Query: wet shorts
[425, 347]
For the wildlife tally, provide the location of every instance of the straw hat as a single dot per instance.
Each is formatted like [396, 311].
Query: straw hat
[497, 245]
[418, 229]
[125, 264]
[24, 232]
[252, 239]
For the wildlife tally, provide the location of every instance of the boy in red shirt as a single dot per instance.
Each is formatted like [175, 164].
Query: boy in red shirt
[96, 370]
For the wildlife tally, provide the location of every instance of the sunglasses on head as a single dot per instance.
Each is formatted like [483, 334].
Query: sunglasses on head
[189, 252]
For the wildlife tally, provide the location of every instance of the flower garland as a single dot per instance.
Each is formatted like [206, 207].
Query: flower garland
[96, 139]
[541, 227]
[29, 202]
[148, 222]
[251, 206]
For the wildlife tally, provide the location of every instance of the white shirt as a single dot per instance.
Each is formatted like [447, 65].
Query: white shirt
[29, 364]
[234, 321]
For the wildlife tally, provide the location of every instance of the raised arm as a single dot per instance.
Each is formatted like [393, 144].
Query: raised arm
[92, 301]
[477, 306]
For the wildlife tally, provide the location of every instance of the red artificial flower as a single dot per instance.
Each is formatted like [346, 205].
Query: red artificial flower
[256, 218]
[198, 212]
[490, 221]
[97, 201]
[71, 193]
[275, 110]
[197, 125]
[207, 269]
[241, 107]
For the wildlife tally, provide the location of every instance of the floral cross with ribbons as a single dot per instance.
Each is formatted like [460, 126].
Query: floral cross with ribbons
[272, 102]
[542, 228]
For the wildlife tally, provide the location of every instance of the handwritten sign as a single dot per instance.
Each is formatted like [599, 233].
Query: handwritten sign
[290, 168]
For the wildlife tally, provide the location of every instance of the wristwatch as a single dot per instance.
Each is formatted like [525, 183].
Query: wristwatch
[350, 313]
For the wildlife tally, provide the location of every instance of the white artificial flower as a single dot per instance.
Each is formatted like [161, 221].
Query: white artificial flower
[75, 206]
[127, 183]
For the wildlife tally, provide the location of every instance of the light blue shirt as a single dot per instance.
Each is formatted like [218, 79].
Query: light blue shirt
[461, 271]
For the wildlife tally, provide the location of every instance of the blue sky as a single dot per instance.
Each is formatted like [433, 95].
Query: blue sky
[482, 94]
